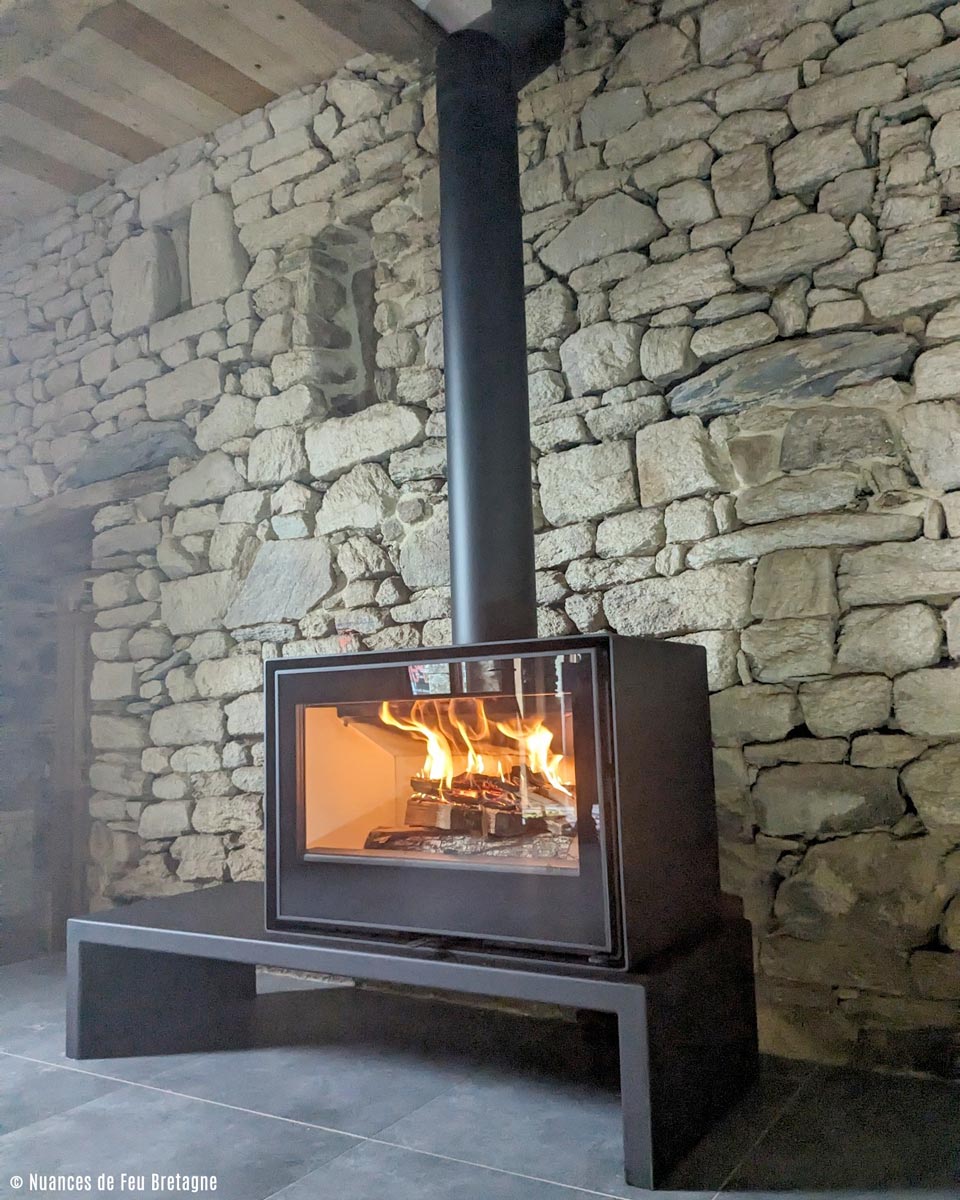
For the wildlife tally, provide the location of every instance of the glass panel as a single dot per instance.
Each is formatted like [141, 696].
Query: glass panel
[475, 764]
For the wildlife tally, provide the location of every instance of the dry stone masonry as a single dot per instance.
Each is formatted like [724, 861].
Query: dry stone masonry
[743, 273]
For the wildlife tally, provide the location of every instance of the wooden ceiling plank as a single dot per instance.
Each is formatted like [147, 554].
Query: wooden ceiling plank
[49, 170]
[78, 81]
[68, 114]
[207, 23]
[49, 139]
[394, 27]
[169, 50]
[319, 48]
[149, 83]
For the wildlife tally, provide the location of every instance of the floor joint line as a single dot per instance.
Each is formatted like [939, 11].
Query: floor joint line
[357, 1137]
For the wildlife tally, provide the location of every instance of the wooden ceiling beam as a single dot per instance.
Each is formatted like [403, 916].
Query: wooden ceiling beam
[81, 78]
[56, 143]
[215, 27]
[47, 104]
[394, 27]
[28, 161]
[118, 73]
[165, 48]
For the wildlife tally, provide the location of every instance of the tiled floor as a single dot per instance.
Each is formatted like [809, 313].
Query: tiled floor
[363, 1096]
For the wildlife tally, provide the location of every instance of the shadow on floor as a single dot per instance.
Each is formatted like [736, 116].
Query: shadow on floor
[355, 1094]
[805, 1129]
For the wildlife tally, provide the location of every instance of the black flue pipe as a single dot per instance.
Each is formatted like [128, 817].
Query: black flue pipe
[479, 72]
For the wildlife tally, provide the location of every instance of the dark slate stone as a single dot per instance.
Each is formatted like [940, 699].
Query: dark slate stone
[817, 437]
[149, 444]
[791, 371]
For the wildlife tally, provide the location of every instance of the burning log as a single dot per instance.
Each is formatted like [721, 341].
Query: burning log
[536, 784]
[436, 814]
[498, 823]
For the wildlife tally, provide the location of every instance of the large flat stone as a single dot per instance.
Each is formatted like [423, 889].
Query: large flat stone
[191, 323]
[839, 707]
[927, 702]
[812, 158]
[819, 437]
[727, 26]
[218, 262]
[828, 529]
[676, 459]
[338, 444]
[898, 574]
[653, 55]
[166, 201]
[897, 293]
[890, 640]
[664, 131]
[187, 724]
[359, 500]
[790, 372]
[180, 391]
[753, 713]
[142, 446]
[837, 97]
[715, 598]
[932, 436]
[795, 583]
[767, 257]
[933, 784]
[814, 799]
[213, 477]
[197, 603]
[608, 226]
[858, 964]
[896, 41]
[796, 648]
[165, 819]
[144, 281]
[287, 579]
[868, 887]
[587, 482]
[797, 495]
[425, 553]
[611, 112]
[691, 279]
[601, 356]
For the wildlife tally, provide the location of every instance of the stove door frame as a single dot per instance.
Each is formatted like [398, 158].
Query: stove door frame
[559, 912]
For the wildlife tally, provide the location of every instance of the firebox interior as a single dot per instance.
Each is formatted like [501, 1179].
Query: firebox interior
[489, 779]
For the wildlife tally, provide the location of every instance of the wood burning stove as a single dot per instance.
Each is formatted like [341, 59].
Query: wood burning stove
[547, 798]
[511, 816]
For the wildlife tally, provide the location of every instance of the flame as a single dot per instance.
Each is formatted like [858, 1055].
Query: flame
[438, 763]
[535, 740]
[479, 730]
[463, 721]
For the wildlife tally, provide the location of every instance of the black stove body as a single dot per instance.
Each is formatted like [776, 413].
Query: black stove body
[550, 798]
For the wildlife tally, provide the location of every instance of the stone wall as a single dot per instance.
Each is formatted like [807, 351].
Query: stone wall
[743, 321]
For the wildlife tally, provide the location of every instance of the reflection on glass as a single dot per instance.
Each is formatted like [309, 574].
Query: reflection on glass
[488, 778]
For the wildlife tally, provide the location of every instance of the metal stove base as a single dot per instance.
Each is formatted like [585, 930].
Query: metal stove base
[179, 974]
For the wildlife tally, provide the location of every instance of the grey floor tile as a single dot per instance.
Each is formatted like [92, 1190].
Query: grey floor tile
[376, 1172]
[30, 1092]
[568, 1133]
[138, 1130]
[356, 1089]
[21, 980]
[863, 1134]
[731, 1139]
